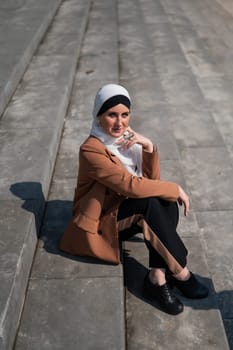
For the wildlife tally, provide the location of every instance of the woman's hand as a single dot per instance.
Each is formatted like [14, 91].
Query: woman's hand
[184, 199]
[136, 138]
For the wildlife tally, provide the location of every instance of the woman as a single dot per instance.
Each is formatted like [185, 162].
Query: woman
[119, 187]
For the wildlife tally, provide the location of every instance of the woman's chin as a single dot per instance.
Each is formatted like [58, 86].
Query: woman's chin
[117, 134]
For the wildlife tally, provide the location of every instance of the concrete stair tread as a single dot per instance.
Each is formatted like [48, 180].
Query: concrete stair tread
[200, 325]
[93, 291]
[87, 296]
[21, 32]
[30, 132]
[176, 94]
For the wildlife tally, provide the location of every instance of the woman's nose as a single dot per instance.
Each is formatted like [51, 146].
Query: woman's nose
[119, 121]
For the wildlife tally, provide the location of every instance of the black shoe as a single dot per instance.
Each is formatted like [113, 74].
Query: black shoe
[191, 288]
[163, 295]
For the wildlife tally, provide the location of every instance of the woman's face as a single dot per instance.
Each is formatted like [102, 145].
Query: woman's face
[115, 120]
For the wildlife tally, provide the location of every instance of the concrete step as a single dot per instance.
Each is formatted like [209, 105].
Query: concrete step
[23, 25]
[30, 131]
[77, 300]
[83, 299]
[178, 83]
[199, 326]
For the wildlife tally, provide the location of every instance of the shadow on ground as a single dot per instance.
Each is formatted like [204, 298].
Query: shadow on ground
[51, 218]
[134, 271]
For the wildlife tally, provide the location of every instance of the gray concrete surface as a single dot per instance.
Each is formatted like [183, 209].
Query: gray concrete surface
[94, 291]
[176, 60]
[198, 327]
[30, 131]
[189, 85]
[22, 27]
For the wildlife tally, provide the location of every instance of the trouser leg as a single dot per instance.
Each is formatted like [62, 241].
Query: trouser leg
[158, 219]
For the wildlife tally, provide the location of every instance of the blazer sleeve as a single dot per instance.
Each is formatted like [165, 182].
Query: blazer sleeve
[151, 164]
[104, 167]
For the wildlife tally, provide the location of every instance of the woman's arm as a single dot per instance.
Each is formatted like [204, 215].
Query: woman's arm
[98, 164]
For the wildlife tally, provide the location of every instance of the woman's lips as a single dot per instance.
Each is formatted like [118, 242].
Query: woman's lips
[117, 130]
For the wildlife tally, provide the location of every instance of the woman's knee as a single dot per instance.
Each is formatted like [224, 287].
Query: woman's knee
[155, 202]
[163, 208]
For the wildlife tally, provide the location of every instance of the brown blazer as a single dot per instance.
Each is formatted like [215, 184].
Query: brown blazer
[103, 183]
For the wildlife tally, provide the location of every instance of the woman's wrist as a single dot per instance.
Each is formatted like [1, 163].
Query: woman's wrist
[148, 147]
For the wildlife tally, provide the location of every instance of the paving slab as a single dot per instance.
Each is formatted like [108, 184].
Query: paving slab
[216, 229]
[211, 37]
[30, 131]
[61, 266]
[222, 114]
[46, 80]
[26, 157]
[195, 126]
[17, 245]
[219, 19]
[149, 48]
[199, 326]
[94, 291]
[218, 240]
[181, 49]
[196, 52]
[216, 88]
[69, 315]
[11, 4]
[19, 38]
[208, 174]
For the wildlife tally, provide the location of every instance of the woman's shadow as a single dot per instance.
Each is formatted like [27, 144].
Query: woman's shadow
[51, 218]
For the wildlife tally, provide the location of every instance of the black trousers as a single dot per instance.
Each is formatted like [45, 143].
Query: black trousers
[158, 220]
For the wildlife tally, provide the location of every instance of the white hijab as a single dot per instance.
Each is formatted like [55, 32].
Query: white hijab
[130, 158]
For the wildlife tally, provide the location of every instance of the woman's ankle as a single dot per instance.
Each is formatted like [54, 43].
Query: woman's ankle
[157, 276]
[184, 275]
